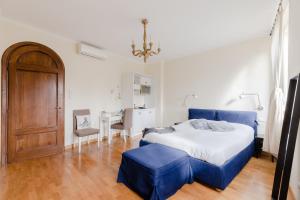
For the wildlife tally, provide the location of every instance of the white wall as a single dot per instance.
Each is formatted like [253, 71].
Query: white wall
[294, 69]
[90, 83]
[218, 77]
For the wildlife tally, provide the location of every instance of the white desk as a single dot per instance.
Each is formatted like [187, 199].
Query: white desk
[106, 119]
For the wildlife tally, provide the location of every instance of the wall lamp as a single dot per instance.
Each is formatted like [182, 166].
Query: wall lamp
[244, 95]
[194, 96]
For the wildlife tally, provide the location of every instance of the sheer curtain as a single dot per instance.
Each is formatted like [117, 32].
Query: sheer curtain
[279, 61]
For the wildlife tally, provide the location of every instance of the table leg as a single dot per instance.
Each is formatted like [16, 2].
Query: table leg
[109, 131]
[101, 128]
[98, 139]
[79, 144]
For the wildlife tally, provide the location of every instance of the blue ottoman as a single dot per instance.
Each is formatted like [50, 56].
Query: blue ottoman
[155, 171]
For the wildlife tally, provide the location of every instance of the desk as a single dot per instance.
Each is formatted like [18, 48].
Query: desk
[106, 120]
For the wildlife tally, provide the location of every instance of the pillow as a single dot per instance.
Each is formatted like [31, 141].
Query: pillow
[83, 121]
[220, 126]
[200, 124]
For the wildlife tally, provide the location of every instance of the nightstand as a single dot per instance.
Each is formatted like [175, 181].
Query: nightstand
[259, 141]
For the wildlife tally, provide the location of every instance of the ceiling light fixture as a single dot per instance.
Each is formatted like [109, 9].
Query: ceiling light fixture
[147, 51]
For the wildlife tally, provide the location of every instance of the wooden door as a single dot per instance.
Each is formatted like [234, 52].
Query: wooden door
[35, 117]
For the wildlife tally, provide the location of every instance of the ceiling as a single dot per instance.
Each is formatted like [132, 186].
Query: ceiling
[182, 27]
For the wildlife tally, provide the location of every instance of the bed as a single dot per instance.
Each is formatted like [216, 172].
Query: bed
[214, 163]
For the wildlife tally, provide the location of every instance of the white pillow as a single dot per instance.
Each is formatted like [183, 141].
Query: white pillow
[220, 126]
[184, 126]
[201, 124]
[83, 121]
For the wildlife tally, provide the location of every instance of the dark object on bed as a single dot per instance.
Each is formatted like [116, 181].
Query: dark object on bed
[220, 176]
[287, 141]
[158, 130]
[177, 123]
[155, 171]
[258, 146]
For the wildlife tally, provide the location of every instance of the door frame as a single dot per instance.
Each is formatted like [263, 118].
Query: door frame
[4, 92]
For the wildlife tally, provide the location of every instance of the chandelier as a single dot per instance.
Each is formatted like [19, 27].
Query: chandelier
[147, 50]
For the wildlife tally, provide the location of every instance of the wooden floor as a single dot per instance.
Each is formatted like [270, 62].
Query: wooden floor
[92, 175]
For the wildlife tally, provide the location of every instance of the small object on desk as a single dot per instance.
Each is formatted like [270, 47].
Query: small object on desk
[258, 146]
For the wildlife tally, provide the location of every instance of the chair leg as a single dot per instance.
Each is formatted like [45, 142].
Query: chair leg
[109, 131]
[124, 135]
[73, 145]
[109, 136]
[79, 145]
[101, 134]
[98, 138]
[101, 128]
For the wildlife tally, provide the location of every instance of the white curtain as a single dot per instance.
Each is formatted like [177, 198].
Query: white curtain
[279, 61]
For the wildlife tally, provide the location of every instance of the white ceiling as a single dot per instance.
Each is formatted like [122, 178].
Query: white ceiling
[183, 27]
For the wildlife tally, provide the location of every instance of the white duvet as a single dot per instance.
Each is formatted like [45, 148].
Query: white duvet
[213, 147]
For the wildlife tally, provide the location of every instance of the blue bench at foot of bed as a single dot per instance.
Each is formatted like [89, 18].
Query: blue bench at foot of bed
[155, 171]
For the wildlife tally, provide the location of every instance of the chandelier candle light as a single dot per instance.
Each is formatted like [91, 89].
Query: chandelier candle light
[147, 51]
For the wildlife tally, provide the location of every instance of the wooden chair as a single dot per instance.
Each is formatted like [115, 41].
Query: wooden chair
[80, 133]
[126, 123]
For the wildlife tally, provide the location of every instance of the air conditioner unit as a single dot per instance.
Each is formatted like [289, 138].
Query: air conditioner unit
[91, 51]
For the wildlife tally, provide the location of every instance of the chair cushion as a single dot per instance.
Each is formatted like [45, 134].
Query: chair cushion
[118, 126]
[86, 132]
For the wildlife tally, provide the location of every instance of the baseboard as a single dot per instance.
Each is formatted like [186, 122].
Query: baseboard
[93, 140]
[117, 134]
[71, 146]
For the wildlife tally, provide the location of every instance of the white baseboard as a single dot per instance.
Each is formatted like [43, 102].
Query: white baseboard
[94, 139]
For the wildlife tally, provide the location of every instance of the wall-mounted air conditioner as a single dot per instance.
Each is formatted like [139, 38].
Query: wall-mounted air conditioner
[91, 51]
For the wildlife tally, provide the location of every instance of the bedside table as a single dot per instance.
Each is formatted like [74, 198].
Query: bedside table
[258, 142]
[259, 139]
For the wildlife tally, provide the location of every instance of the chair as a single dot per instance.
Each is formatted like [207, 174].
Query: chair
[86, 132]
[126, 123]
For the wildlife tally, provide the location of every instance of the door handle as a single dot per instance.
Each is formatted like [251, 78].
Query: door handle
[58, 108]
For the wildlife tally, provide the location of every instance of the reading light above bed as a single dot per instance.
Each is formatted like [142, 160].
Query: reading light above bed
[244, 95]
[194, 96]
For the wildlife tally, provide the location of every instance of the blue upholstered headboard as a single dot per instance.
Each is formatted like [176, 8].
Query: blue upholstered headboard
[243, 117]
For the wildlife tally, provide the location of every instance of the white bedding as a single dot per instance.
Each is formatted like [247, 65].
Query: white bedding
[213, 147]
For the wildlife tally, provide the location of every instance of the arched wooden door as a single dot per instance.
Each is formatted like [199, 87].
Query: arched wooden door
[33, 96]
